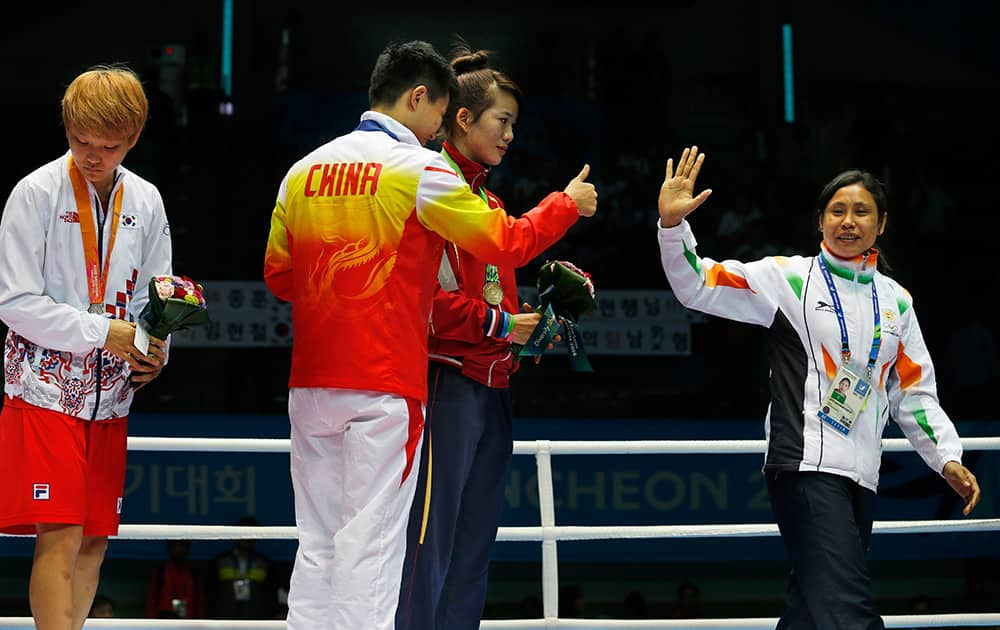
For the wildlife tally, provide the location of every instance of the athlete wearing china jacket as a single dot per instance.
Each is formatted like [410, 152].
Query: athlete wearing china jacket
[45, 296]
[357, 235]
[830, 318]
[353, 230]
[371, 208]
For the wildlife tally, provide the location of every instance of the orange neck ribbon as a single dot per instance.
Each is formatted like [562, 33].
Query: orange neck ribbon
[97, 280]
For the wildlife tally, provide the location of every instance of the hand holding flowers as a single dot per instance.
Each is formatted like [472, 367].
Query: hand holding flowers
[175, 303]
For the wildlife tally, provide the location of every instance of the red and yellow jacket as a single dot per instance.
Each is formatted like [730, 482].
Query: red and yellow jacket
[356, 239]
[466, 331]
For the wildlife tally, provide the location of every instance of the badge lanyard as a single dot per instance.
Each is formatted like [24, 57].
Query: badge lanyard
[97, 280]
[845, 348]
[492, 292]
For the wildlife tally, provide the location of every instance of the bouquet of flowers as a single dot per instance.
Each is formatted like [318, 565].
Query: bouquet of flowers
[567, 288]
[565, 293]
[175, 303]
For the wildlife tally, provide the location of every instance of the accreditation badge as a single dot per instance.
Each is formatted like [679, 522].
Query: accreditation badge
[241, 590]
[844, 400]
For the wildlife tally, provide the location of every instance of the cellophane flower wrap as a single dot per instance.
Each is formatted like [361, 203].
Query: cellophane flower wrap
[565, 293]
[175, 303]
[567, 288]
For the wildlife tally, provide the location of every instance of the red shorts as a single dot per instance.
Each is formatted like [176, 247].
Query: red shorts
[55, 468]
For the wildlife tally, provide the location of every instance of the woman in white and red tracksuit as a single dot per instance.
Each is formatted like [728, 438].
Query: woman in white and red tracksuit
[467, 441]
[80, 237]
[829, 318]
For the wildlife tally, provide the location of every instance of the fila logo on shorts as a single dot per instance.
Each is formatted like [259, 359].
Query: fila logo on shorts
[40, 491]
[118, 510]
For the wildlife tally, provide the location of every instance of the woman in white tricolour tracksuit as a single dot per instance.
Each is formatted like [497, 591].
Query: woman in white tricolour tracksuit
[845, 354]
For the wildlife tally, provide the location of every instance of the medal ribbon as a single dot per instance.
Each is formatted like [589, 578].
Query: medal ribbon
[845, 348]
[97, 280]
[574, 341]
[492, 273]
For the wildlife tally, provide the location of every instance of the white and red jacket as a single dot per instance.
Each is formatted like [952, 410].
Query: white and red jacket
[53, 355]
[789, 297]
[466, 331]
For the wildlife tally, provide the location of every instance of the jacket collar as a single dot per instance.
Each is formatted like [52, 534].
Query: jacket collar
[859, 269]
[400, 130]
[473, 172]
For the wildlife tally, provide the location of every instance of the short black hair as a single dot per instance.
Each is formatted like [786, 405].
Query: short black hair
[401, 67]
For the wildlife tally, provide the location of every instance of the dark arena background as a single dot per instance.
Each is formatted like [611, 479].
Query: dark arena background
[780, 95]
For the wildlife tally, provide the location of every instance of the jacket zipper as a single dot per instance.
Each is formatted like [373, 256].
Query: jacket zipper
[101, 219]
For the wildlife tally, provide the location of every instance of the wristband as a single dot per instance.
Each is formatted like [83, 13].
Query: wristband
[510, 328]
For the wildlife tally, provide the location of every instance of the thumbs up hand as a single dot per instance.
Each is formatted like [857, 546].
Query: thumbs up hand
[583, 193]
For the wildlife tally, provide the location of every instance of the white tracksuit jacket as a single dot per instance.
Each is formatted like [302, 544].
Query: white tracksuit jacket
[53, 355]
[789, 297]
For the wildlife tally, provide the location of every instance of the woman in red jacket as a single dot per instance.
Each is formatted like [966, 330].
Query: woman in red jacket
[474, 321]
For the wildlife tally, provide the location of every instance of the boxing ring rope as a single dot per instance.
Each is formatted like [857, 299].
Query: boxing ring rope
[755, 623]
[548, 532]
[523, 447]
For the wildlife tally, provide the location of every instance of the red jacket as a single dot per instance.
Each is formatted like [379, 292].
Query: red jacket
[466, 331]
[172, 582]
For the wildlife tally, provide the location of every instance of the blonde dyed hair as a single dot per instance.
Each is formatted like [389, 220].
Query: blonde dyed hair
[106, 101]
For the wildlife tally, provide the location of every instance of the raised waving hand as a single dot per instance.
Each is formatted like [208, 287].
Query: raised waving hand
[677, 198]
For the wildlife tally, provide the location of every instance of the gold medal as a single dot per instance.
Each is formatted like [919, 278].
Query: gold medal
[492, 293]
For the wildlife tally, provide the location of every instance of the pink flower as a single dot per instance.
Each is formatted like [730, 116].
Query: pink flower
[179, 288]
[164, 288]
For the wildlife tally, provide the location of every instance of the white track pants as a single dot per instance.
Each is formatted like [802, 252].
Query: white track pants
[353, 463]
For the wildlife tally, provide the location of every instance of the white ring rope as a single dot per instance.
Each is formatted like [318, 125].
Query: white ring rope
[756, 623]
[553, 532]
[548, 533]
[245, 445]
[523, 447]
